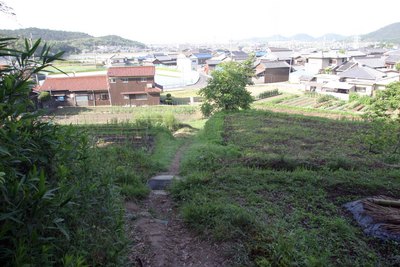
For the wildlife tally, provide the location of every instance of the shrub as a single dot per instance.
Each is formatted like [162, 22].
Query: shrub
[326, 98]
[44, 96]
[54, 188]
[269, 93]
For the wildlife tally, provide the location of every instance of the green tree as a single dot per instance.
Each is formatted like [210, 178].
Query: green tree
[386, 104]
[226, 89]
[398, 66]
[384, 115]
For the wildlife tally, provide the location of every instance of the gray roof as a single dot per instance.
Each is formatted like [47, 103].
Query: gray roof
[372, 62]
[239, 55]
[283, 55]
[275, 64]
[393, 59]
[163, 58]
[345, 66]
[365, 73]
[213, 62]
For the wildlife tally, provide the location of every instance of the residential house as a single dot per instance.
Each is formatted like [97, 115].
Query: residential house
[363, 80]
[392, 58]
[272, 72]
[212, 63]
[239, 55]
[367, 80]
[374, 62]
[319, 61]
[78, 91]
[199, 58]
[166, 60]
[282, 54]
[133, 86]
[122, 86]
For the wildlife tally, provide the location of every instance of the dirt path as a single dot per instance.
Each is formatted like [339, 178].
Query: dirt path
[160, 237]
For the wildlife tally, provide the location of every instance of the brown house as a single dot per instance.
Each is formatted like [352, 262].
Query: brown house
[122, 86]
[133, 86]
[272, 71]
[78, 91]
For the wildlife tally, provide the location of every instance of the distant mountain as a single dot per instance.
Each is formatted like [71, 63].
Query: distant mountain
[72, 42]
[390, 33]
[302, 37]
[48, 35]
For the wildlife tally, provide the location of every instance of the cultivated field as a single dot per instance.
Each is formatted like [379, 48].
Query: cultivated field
[271, 188]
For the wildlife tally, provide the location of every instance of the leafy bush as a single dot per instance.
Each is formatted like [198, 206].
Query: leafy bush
[149, 120]
[269, 93]
[326, 98]
[44, 96]
[53, 187]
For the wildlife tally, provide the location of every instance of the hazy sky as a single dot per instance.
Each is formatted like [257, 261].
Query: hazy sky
[173, 21]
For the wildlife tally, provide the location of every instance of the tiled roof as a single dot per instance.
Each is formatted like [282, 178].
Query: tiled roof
[79, 83]
[365, 73]
[372, 62]
[393, 59]
[202, 55]
[135, 71]
[213, 62]
[345, 66]
[275, 64]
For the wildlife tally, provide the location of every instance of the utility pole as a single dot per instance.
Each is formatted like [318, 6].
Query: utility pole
[33, 56]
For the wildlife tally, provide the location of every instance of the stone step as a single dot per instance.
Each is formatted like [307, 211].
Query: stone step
[161, 182]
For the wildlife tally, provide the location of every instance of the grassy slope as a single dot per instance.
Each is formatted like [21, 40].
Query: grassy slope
[271, 187]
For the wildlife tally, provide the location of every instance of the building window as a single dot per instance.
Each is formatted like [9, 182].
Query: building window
[143, 79]
[112, 80]
[126, 96]
[104, 97]
[140, 97]
[125, 80]
[90, 97]
[149, 85]
[361, 89]
[60, 98]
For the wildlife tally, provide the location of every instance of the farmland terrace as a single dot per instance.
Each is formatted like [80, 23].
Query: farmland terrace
[270, 189]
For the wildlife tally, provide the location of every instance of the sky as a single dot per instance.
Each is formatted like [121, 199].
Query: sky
[206, 21]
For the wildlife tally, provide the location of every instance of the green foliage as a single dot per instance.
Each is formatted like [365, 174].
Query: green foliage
[53, 187]
[168, 99]
[398, 66]
[325, 98]
[44, 96]
[226, 222]
[386, 103]
[269, 93]
[364, 100]
[277, 200]
[226, 89]
[70, 42]
[383, 137]
[149, 120]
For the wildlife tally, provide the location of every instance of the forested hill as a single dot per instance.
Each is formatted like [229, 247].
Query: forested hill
[74, 42]
[390, 33]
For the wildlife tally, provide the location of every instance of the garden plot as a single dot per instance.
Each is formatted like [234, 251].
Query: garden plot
[122, 135]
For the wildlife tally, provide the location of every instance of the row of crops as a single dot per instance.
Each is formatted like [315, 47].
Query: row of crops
[324, 103]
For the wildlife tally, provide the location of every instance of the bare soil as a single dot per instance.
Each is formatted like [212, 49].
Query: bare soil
[161, 238]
